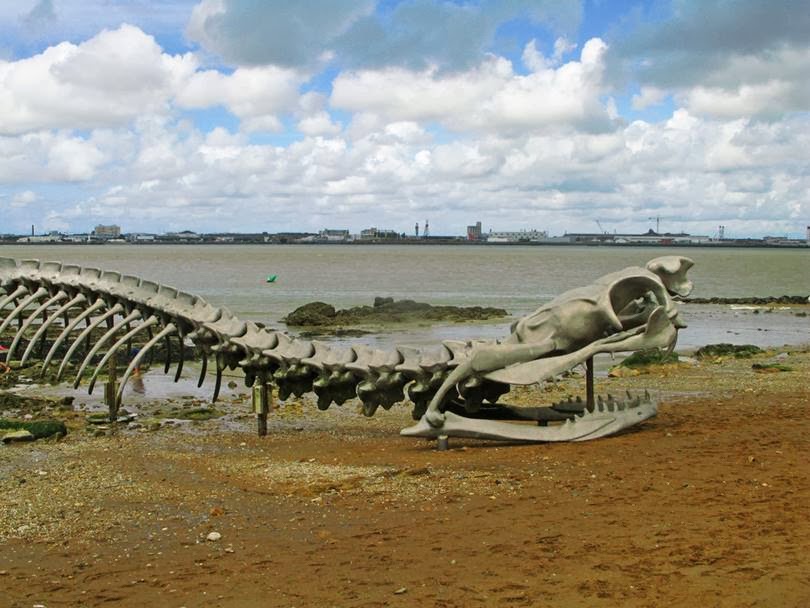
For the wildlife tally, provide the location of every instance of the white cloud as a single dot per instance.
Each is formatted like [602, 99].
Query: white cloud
[648, 96]
[106, 81]
[255, 95]
[491, 97]
[21, 199]
[106, 123]
[50, 157]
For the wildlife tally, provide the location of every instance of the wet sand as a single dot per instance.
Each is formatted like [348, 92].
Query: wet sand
[707, 504]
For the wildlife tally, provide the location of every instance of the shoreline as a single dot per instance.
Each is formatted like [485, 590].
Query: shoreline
[455, 241]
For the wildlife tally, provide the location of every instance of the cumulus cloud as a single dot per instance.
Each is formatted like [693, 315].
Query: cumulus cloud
[424, 123]
[50, 157]
[105, 81]
[731, 59]
[490, 97]
[256, 95]
[693, 172]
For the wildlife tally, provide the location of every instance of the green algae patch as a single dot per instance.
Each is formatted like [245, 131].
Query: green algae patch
[737, 351]
[40, 429]
[653, 356]
[197, 413]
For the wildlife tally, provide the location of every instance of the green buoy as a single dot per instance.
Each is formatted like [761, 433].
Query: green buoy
[271, 278]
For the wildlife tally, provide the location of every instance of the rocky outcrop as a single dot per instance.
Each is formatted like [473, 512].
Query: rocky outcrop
[751, 300]
[386, 311]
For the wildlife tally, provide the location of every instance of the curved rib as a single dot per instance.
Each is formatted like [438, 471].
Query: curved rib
[135, 314]
[69, 327]
[182, 356]
[218, 382]
[22, 306]
[168, 363]
[203, 369]
[124, 339]
[42, 308]
[20, 291]
[86, 332]
[136, 361]
[48, 322]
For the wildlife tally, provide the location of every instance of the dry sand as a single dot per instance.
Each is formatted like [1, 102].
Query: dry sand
[706, 505]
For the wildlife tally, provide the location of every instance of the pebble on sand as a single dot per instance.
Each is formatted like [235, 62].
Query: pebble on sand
[213, 536]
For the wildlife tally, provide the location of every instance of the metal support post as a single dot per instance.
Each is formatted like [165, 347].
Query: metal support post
[589, 383]
[262, 403]
[110, 389]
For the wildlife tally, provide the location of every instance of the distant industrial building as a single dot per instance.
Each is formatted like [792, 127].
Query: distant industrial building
[328, 234]
[185, 235]
[141, 238]
[474, 232]
[651, 237]
[522, 236]
[51, 237]
[378, 234]
[107, 232]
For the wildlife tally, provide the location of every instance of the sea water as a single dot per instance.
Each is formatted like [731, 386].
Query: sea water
[517, 278]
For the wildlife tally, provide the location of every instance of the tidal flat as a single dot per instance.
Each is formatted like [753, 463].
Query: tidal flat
[707, 502]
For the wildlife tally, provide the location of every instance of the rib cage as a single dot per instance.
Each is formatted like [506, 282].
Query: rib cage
[86, 299]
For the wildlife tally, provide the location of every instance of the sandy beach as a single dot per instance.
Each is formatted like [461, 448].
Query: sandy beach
[709, 503]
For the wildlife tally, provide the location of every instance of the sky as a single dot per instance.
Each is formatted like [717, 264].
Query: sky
[270, 115]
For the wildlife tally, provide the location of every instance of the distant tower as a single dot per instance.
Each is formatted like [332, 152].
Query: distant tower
[721, 232]
[427, 229]
[808, 235]
[416, 229]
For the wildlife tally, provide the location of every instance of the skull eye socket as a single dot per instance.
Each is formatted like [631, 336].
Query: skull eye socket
[633, 298]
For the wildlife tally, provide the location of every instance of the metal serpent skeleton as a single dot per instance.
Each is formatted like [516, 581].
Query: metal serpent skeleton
[455, 387]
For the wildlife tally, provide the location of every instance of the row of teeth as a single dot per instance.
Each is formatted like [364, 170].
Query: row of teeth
[603, 404]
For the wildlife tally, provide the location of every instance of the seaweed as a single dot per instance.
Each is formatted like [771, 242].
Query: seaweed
[649, 357]
[40, 429]
[738, 351]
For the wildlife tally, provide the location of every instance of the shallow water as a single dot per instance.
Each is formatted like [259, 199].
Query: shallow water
[518, 279]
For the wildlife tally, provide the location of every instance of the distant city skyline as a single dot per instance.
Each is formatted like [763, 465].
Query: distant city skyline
[555, 115]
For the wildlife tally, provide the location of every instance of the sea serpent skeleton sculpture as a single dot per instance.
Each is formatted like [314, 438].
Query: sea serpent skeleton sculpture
[52, 311]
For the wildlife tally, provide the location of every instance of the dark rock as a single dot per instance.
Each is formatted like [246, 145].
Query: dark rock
[314, 313]
[380, 301]
[755, 300]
